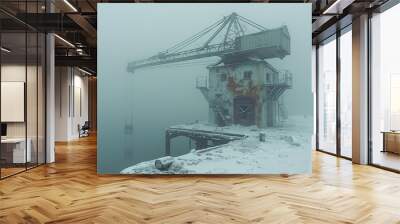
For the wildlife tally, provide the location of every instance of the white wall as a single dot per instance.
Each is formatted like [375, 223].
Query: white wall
[34, 126]
[79, 117]
[62, 81]
[71, 87]
[12, 73]
[9, 73]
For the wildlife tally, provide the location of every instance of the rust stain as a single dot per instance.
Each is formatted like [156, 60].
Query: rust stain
[247, 89]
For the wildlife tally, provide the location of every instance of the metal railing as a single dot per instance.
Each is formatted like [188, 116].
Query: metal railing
[201, 82]
[284, 77]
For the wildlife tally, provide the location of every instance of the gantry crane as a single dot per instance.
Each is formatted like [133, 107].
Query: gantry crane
[243, 88]
[235, 42]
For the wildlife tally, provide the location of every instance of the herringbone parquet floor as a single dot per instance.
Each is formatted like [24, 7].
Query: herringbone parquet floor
[70, 191]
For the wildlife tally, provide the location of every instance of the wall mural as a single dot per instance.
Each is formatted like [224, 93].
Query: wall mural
[205, 88]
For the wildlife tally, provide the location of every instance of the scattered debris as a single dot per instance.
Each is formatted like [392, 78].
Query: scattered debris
[164, 163]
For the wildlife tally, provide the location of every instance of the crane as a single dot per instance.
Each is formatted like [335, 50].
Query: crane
[242, 88]
[229, 38]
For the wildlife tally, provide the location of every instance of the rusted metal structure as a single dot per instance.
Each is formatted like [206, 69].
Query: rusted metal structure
[202, 138]
[244, 93]
[241, 88]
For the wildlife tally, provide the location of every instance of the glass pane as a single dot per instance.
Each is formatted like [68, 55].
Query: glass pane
[313, 78]
[32, 87]
[346, 93]
[386, 89]
[327, 96]
[31, 97]
[41, 98]
[22, 89]
[13, 86]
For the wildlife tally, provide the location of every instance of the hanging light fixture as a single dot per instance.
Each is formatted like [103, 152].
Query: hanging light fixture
[5, 50]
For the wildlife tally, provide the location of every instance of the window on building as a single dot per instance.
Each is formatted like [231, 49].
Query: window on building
[346, 93]
[268, 77]
[223, 77]
[327, 95]
[247, 75]
[385, 89]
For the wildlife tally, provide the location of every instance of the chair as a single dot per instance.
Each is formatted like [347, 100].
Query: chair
[84, 129]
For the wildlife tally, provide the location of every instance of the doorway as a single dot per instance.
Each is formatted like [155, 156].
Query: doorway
[244, 110]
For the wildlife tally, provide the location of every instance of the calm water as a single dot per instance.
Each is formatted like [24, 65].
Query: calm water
[135, 109]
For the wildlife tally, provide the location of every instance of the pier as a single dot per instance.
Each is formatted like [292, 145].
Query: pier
[202, 138]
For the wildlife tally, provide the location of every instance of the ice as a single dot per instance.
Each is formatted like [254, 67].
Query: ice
[287, 149]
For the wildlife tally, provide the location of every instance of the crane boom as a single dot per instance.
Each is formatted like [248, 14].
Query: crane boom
[266, 43]
[202, 52]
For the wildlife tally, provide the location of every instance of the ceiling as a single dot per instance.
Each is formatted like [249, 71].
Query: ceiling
[75, 22]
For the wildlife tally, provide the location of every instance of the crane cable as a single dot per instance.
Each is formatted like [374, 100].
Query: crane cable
[200, 34]
[258, 26]
[194, 37]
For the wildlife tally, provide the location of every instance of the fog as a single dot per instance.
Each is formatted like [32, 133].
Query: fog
[136, 108]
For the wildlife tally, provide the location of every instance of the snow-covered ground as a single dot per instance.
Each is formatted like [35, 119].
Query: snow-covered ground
[287, 149]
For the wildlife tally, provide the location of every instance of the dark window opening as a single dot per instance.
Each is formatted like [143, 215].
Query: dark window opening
[247, 75]
[268, 78]
[223, 77]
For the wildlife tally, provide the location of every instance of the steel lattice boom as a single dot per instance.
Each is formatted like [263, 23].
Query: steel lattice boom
[228, 39]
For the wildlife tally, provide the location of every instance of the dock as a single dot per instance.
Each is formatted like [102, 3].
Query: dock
[202, 138]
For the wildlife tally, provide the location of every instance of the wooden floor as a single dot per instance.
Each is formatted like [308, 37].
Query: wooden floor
[9, 171]
[387, 159]
[5, 172]
[70, 191]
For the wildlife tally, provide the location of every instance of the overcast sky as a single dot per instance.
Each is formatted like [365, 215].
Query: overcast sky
[154, 98]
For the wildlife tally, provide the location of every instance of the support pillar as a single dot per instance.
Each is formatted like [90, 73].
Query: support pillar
[50, 99]
[360, 90]
[167, 143]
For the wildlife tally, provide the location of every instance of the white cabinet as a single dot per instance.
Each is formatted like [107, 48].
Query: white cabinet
[19, 154]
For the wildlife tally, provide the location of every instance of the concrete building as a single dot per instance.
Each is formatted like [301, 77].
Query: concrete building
[245, 93]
